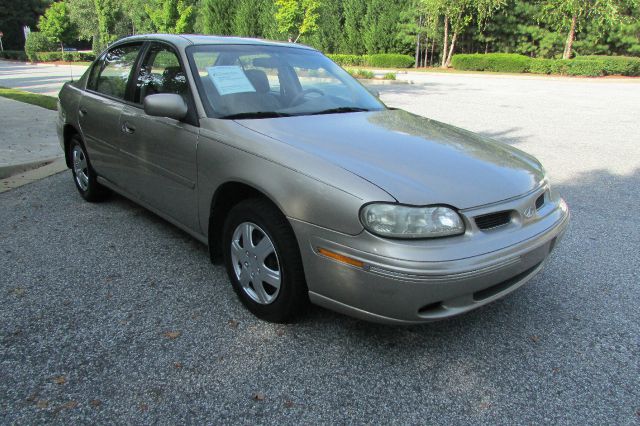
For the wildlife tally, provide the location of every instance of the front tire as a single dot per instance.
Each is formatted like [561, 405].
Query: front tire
[84, 176]
[263, 261]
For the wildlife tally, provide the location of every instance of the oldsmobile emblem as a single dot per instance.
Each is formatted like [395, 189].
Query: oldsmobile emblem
[529, 212]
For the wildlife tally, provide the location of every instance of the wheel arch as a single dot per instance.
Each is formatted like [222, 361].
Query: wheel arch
[224, 199]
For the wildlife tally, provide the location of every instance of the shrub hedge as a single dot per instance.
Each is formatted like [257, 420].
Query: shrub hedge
[348, 60]
[37, 42]
[384, 60]
[391, 60]
[617, 65]
[498, 62]
[18, 55]
[573, 67]
[59, 56]
[589, 66]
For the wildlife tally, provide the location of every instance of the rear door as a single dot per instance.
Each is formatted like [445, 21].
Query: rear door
[101, 106]
[159, 153]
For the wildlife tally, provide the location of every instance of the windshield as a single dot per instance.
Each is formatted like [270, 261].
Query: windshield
[253, 81]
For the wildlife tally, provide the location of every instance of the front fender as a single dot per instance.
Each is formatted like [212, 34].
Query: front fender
[286, 175]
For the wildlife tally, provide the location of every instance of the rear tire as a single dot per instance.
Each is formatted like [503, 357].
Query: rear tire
[263, 261]
[84, 176]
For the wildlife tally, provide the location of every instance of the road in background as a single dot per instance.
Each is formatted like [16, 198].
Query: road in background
[45, 79]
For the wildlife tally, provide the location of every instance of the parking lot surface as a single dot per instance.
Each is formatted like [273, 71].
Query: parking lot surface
[111, 314]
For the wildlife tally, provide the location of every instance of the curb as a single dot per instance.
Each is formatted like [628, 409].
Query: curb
[46, 169]
[14, 169]
[380, 82]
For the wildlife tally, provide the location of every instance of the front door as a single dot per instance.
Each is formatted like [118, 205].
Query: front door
[159, 153]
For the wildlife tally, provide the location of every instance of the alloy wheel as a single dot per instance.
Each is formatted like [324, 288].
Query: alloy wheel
[255, 263]
[80, 167]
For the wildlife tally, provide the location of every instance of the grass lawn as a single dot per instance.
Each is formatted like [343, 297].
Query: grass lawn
[81, 64]
[44, 101]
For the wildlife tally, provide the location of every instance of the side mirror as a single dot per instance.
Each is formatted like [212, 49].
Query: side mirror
[166, 105]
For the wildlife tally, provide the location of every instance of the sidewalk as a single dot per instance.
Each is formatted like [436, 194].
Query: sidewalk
[27, 137]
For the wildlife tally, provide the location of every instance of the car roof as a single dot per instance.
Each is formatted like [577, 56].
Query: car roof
[185, 40]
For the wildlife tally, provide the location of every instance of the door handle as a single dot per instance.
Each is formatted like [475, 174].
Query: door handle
[82, 112]
[128, 128]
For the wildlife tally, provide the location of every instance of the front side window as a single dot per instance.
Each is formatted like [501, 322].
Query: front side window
[255, 81]
[113, 71]
[160, 73]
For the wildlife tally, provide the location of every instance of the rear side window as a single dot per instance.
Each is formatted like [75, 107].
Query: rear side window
[160, 73]
[111, 74]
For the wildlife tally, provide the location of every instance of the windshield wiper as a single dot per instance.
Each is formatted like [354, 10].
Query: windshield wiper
[339, 110]
[256, 114]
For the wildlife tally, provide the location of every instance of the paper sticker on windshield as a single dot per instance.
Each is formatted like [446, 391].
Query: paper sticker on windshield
[230, 79]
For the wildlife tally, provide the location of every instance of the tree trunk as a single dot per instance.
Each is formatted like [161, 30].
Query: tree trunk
[445, 44]
[417, 64]
[433, 49]
[453, 45]
[425, 58]
[568, 49]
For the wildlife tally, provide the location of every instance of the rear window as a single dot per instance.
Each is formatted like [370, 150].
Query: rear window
[110, 75]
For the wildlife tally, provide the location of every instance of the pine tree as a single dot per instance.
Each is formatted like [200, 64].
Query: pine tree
[217, 16]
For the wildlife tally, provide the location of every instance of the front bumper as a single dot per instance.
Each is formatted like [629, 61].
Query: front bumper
[405, 289]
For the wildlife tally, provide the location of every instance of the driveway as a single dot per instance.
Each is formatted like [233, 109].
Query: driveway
[111, 314]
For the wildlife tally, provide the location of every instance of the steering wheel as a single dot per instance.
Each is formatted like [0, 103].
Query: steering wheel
[303, 93]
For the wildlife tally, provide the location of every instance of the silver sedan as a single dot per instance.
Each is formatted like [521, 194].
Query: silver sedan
[305, 184]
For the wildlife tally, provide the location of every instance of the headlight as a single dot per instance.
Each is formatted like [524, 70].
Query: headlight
[396, 221]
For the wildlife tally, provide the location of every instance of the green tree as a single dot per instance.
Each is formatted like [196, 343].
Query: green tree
[216, 16]
[624, 39]
[420, 26]
[296, 18]
[254, 18]
[572, 14]
[381, 27]
[56, 25]
[170, 16]
[459, 14]
[329, 35]
[136, 19]
[16, 14]
[84, 17]
[109, 19]
[353, 12]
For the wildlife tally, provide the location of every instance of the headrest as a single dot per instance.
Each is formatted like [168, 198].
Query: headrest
[171, 72]
[259, 80]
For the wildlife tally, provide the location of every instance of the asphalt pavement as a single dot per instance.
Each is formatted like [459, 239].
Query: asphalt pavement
[112, 315]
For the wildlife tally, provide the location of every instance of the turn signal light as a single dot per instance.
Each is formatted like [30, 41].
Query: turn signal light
[341, 258]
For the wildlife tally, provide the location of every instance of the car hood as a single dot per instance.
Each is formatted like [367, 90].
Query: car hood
[416, 160]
